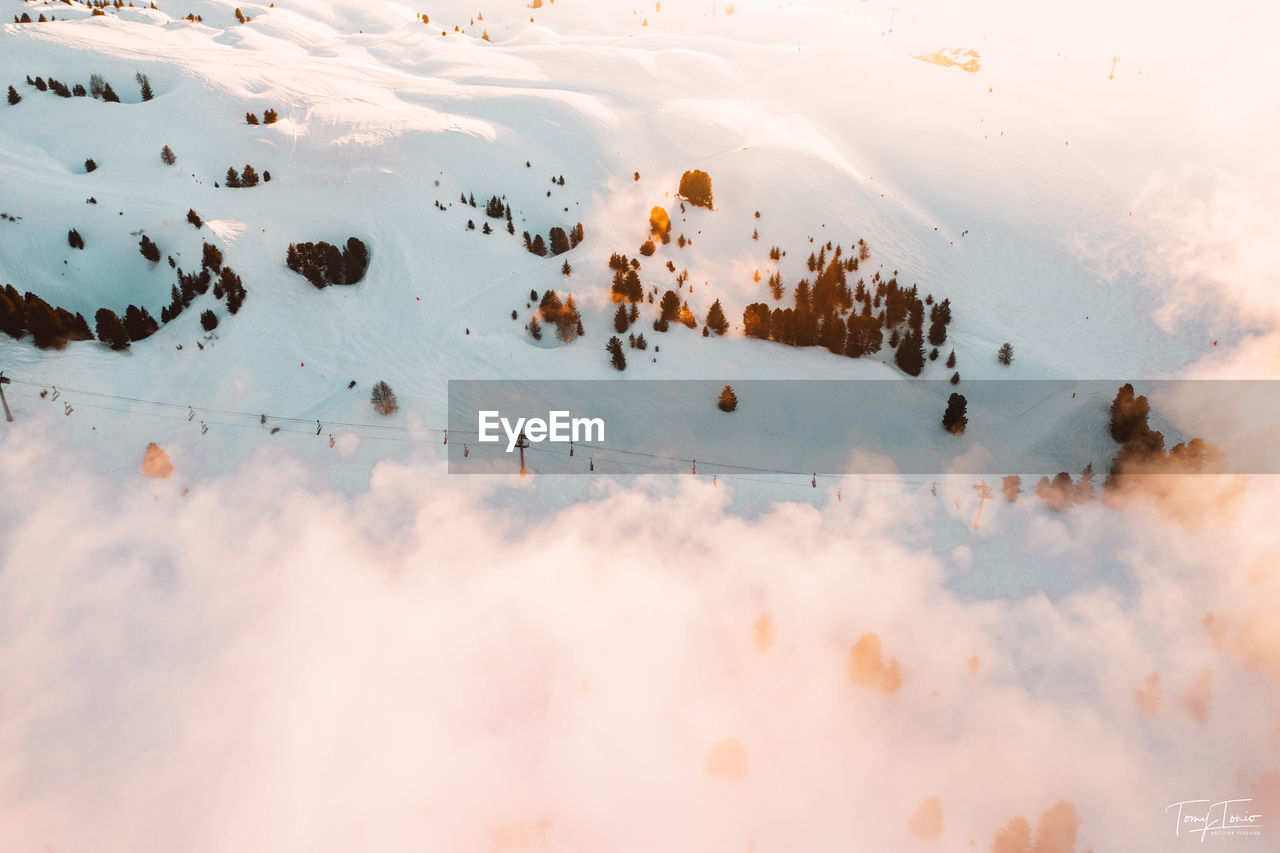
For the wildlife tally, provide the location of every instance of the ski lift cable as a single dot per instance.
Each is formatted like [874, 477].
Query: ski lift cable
[184, 412]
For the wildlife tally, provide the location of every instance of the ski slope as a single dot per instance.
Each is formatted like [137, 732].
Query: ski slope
[1009, 190]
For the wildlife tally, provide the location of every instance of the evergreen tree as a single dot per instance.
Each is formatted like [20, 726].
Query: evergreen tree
[248, 178]
[14, 97]
[620, 322]
[383, 399]
[937, 332]
[565, 269]
[208, 320]
[270, 117]
[910, 353]
[90, 165]
[109, 95]
[110, 330]
[1129, 415]
[951, 359]
[539, 247]
[955, 378]
[755, 321]
[250, 118]
[559, 241]
[355, 260]
[954, 419]
[233, 178]
[145, 86]
[727, 401]
[138, 323]
[149, 250]
[167, 156]
[43, 323]
[569, 323]
[669, 307]
[1005, 356]
[194, 218]
[716, 320]
[74, 239]
[616, 356]
[686, 316]
[211, 257]
[535, 329]
[10, 323]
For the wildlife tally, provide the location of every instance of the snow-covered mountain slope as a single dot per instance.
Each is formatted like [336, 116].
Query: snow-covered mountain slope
[1014, 191]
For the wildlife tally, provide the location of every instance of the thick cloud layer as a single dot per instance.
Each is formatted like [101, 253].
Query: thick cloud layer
[265, 664]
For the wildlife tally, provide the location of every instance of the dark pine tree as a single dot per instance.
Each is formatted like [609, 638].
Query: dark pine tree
[110, 330]
[208, 320]
[620, 322]
[954, 419]
[910, 353]
[951, 359]
[716, 320]
[43, 323]
[727, 401]
[74, 239]
[167, 156]
[1005, 355]
[616, 356]
[535, 329]
[194, 218]
[248, 178]
[559, 241]
[149, 250]
[144, 85]
[14, 97]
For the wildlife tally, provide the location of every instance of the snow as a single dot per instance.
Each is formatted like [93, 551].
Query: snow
[1007, 191]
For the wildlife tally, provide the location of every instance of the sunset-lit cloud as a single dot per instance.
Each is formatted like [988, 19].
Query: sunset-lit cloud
[268, 664]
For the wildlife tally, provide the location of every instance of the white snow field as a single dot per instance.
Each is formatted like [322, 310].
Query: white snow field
[318, 640]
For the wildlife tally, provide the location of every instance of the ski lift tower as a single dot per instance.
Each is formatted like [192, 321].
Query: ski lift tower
[522, 442]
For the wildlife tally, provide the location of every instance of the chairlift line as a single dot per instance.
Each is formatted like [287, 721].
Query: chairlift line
[744, 472]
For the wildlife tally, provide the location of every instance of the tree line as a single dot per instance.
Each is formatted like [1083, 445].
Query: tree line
[324, 264]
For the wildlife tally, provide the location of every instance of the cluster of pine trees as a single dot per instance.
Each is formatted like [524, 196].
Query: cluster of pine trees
[98, 88]
[563, 316]
[228, 286]
[96, 5]
[854, 321]
[324, 264]
[1142, 449]
[695, 188]
[268, 117]
[248, 178]
[557, 243]
[50, 327]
